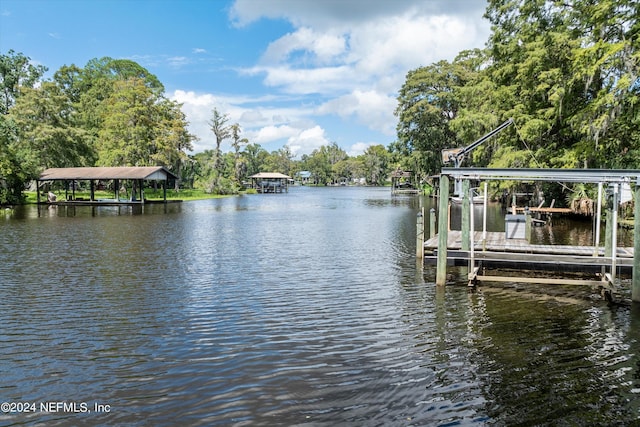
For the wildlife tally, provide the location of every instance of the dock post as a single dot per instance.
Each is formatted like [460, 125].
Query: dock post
[635, 281]
[608, 232]
[432, 222]
[464, 226]
[614, 236]
[484, 216]
[420, 236]
[443, 232]
[527, 224]
[596, 243]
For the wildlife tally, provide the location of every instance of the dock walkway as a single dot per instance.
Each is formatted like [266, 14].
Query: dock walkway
[498, 252]
[497, 242]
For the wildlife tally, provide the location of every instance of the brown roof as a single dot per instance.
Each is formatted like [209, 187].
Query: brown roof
[399, 173]
[133, 172]
[270, 175]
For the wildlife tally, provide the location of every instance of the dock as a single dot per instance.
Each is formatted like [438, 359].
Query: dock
[499, 252]
[493, 251]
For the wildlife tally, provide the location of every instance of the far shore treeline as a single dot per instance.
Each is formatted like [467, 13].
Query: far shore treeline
[568, 73]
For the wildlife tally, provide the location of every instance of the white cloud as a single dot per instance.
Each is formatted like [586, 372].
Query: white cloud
[357, 54]
[198, 109]
[272, 133]
[272, 128]
[359, 148]
[178, 61]
[318, 48]
[344, 58]
[342, 13]
[371, 108]
[307, 140]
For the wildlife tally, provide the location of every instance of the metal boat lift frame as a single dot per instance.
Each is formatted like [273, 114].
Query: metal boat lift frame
[613, 179]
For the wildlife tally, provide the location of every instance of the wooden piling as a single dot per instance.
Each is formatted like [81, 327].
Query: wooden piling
[443, 232]
[432, 222]
[420, 236]
[635, 281]
[608, 230]
[464, 226]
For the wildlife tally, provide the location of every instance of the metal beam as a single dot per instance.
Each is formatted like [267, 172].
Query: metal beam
[586, 176]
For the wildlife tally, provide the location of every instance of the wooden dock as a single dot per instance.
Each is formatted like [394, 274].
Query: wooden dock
[496, 252]
[497, 242]
[481, 251]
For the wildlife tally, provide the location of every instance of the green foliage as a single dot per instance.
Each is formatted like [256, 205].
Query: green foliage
[112, 112]
[568, 73]
[16, 72]
[12, 174]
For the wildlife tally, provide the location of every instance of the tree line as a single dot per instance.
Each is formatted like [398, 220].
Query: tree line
[566, 71]
[114, 112]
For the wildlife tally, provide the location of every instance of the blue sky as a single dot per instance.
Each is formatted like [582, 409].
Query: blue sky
[301, 73]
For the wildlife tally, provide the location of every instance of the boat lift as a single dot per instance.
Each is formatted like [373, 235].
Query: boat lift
[457, 155]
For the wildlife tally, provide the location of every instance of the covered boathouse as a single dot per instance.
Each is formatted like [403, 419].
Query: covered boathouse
[403, 182]
[270, 182]
[120, 175]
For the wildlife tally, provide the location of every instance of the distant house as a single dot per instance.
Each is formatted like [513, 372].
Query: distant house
[270, 182]
[303, 177]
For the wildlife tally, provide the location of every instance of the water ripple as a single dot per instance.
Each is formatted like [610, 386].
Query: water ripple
[305, 309]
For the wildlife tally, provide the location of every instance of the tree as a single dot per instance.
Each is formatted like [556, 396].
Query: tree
[46, 134]
[427, 103]
[171, 138]
[571, 71]
[255, 157]
[349, 169]
[12, 173]
[321, 161]
[16, 72]
[222, 131]
[127, 134]
[240, 167]
[376, 164]
[280, 161]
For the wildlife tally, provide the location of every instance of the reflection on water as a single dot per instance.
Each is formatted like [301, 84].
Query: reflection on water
[303, 308]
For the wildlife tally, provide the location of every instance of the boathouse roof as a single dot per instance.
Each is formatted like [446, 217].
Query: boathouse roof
[399, 173]
[270, 175]
[117, 172]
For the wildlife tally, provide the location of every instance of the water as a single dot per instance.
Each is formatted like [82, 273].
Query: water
[301, 309]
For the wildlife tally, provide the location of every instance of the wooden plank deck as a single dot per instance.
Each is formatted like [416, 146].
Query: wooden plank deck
[497, 242]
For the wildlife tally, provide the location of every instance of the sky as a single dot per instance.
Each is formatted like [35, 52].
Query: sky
[296, 73]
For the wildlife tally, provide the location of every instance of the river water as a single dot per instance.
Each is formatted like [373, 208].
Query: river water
[304, 309]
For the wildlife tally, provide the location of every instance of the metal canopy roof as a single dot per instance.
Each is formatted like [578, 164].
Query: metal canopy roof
[554, 175]
[91, 173]
[270, 175]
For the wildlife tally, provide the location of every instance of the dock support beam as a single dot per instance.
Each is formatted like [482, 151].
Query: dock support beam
[420, 236]
[432, 222]
[635, 287]
[466, 215]
[443, 232]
